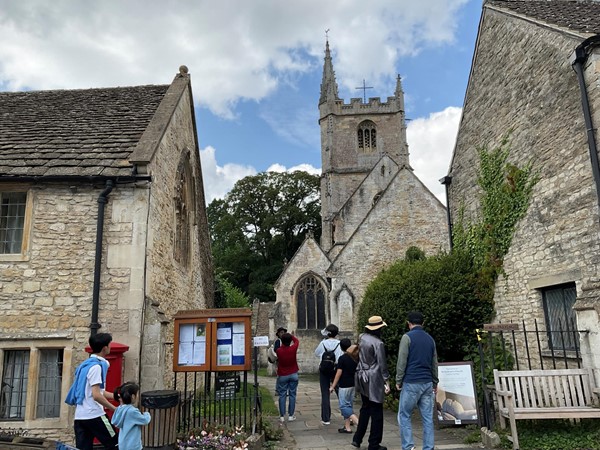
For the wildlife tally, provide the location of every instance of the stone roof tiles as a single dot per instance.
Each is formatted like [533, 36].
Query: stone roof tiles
[86, 132]
[576, 15]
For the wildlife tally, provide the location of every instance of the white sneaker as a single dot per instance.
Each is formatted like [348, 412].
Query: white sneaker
[325, 423]
[291, 418]
[282, 419]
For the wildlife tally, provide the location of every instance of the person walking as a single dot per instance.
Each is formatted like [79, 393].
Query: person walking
[287, 375]
[417, 380]
[344, 381]
[90, 398]
[328, 351]
[371, 381]
[128, 417]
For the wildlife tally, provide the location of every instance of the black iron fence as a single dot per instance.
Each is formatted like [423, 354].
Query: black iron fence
[522, 346]
[227, 399]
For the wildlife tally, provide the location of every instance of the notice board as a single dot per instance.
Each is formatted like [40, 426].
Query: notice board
[212, 340]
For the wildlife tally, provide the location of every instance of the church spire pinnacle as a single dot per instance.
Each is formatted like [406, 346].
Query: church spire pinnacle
[399, 93]
[329, 88]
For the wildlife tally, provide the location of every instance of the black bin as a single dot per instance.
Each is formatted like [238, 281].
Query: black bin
[161, 432]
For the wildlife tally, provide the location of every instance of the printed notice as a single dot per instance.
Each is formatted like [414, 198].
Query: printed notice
[186, 332]
[224, 334]
[199, 354]
[238, 327]
[185, 353]
[239, 345]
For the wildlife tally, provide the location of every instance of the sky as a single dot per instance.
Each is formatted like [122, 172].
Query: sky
[256, 68]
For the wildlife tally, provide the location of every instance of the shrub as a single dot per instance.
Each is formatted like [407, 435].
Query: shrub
[442, 287]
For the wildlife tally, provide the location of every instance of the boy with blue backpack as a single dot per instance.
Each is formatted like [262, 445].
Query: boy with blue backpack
[90, 398]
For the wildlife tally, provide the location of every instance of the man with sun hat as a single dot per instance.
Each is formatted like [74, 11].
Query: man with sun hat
[371, 382]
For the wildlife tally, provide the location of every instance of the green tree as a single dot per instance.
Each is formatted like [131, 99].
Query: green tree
[442, 287]
[259, 224]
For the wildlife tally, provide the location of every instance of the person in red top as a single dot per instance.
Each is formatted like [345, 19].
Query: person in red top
[287, 375]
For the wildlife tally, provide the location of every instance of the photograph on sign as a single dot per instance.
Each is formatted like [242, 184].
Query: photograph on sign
[456, 399]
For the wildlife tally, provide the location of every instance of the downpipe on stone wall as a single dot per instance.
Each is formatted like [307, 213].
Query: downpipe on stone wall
[102, 201]
[578, 60]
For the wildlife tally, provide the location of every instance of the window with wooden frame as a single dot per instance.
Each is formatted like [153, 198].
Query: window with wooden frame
[561, 324]
[33, 382]
[15, 223]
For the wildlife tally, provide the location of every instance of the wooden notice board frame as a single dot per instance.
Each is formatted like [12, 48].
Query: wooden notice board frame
[215, 340]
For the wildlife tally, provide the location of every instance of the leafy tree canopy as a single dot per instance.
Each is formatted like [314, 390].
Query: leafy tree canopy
[259, 224]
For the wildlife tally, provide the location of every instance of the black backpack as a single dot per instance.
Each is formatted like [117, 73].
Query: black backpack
[327, 365]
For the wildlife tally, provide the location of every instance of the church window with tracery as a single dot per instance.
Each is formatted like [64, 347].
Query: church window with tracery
[367, 137]
[310, 301]
[184, 212]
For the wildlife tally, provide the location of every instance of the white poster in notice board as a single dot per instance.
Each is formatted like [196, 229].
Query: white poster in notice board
[456, 399]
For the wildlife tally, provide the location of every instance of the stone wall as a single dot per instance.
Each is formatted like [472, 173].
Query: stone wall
[47, 299]
[407, 214]
[522, 82]
[170, 285]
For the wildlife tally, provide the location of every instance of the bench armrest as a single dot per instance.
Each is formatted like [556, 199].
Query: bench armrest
[596, 391]
[504, 393]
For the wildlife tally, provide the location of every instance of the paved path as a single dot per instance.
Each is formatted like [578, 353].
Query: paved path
[309, 434]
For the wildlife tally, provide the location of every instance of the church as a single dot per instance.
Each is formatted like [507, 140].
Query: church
[373, 208]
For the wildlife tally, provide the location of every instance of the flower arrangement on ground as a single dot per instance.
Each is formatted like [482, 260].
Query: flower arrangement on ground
[214, 437]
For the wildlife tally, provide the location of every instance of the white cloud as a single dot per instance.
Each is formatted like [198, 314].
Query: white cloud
[304, 167]
[431, 142]
[218, 180]
[235, 50]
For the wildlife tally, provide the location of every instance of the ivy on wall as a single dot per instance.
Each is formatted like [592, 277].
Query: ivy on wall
[506, 194]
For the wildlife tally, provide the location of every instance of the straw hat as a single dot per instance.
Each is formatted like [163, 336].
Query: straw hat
[375, 323]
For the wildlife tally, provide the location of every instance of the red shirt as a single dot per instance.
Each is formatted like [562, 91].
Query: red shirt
[287, 363]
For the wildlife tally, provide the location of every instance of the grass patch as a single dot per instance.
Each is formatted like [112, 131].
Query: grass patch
[269, 408]
[555, 435]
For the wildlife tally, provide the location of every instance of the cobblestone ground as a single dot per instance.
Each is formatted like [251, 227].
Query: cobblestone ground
[307, 432]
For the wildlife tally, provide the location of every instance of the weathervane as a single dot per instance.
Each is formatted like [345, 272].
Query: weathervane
[326, 34]
[364, 87]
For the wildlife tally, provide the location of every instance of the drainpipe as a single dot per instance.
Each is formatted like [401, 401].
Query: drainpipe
[447, 181]
[578, 60]
[102, 201]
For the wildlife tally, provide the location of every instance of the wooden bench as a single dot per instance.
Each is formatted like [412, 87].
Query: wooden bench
[545, 394]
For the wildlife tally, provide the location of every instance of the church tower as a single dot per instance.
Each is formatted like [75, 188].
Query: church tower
[354, 137]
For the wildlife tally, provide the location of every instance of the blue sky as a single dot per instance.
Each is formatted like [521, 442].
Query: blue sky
[256, 67]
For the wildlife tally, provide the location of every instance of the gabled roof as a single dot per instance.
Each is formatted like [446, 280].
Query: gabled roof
[86, 132]
[576, 15]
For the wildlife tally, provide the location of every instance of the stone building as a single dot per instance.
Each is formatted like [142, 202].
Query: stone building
[102, 227]
[373, 208]
[529, 61]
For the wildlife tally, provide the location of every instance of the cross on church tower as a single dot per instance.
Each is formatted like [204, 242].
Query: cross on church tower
[364, 87]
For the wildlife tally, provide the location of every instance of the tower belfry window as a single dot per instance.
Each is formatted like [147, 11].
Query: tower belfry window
[367, 137]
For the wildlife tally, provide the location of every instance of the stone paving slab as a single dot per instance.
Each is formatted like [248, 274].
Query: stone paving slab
[309, 434]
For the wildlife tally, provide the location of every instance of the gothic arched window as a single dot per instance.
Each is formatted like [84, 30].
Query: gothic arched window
[310, 303]
[367, 136]
[184, 211]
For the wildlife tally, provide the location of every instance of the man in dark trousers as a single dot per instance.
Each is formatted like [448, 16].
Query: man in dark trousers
[371, 382]
[417, 380]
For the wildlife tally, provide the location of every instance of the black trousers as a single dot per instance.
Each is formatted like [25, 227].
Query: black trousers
[374, 412]
[99, 428]
[324, 382]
